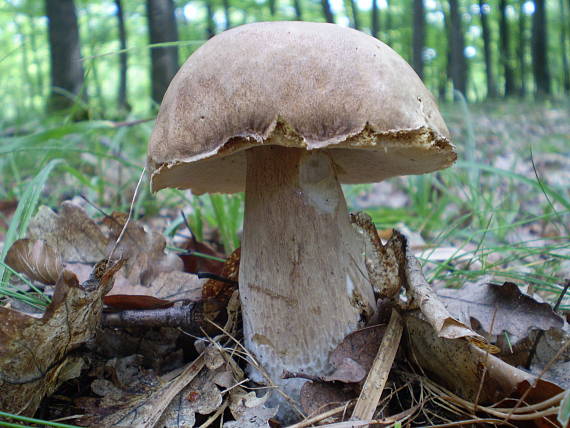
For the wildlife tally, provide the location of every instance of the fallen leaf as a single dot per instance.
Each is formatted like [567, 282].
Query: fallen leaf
[353, 357]
[34, 352]
[128, 301]
[248, 410]
[70, 232]
[318, 397]
[35, 259]
[496, 308]
[467, 370]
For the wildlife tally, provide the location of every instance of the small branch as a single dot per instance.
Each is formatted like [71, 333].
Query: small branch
[378, 375]
[176, 316]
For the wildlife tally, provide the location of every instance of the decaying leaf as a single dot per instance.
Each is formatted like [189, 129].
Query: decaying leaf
[200, 396]
[140, 302]
[384, 263]
[249, 410]
[497, 308]
[143, 249]
[318, 397]
[353, 357]
[35, 259]
[70, 232]
[35, 352]
[432, 308]
[466, 369]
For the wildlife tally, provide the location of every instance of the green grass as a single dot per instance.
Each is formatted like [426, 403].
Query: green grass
[474, 206]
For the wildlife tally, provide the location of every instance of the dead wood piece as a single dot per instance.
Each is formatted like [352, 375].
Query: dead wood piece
[374, 384]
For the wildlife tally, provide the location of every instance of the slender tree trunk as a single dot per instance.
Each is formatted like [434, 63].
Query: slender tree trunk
[539, 46]
[210, 24]
[65, 56]
[327, 11]
[457, 64]
[164, 60]
[123, 58]
[387, 24]
[272, 7]
[298, 10]
[491, 87]
[563, 45]
[521, 49]
[418, 37]
[35, 55]
[355, 17]
[374, 19]
[227, 14]
[27, 78]
[505, 49]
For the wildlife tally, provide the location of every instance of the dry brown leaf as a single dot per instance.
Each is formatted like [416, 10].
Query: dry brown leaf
[35, 259]
[173, 285]
[502, 306]
[70, 232]
[200, 396]
[434, 311]
[143, 249]
[353, 357]
[129, 301]
[466, 369]
[249, 410]
[318, 397]
[34, 352]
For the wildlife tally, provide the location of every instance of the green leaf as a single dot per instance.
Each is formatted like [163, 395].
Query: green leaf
[26, 209]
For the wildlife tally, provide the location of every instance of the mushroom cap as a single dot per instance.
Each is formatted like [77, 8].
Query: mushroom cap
[297, 84]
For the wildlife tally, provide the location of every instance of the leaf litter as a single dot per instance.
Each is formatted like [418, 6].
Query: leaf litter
[143, 367]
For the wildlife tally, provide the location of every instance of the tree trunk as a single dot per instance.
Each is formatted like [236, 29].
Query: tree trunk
[210, 24]
[298, 10]
[122, 94]
[418, 37]
[539, 46]
[164, 60]
[491, 87]
[227, 14]
[374, 19]
[355, 17]
[327, 11]
[521, 49]
[65, 56]
[457, 62]
[505, 49]
[563, 45]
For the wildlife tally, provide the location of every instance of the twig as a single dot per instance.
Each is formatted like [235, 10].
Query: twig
[374, 384]
[129, 216]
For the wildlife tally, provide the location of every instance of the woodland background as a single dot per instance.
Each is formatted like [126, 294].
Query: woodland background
[108, 56]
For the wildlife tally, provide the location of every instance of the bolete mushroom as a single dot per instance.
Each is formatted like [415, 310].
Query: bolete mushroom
[286, 111]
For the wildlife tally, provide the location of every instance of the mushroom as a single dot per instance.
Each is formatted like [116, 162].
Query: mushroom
[286, 111]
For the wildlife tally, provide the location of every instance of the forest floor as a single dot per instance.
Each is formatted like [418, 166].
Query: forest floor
[501, 216]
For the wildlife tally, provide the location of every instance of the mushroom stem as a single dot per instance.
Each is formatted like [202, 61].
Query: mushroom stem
[303, 282]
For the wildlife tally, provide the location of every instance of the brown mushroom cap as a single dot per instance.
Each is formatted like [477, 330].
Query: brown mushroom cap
[296, 84]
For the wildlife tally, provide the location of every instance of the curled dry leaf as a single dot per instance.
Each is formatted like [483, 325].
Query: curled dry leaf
[34, 352]
[466, 369]
[502, 306]
[35, 259]
[433, 309]
[384, 263]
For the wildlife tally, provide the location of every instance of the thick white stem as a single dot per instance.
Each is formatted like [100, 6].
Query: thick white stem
[303, 282]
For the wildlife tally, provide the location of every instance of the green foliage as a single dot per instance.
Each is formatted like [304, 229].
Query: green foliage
[26, 208]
